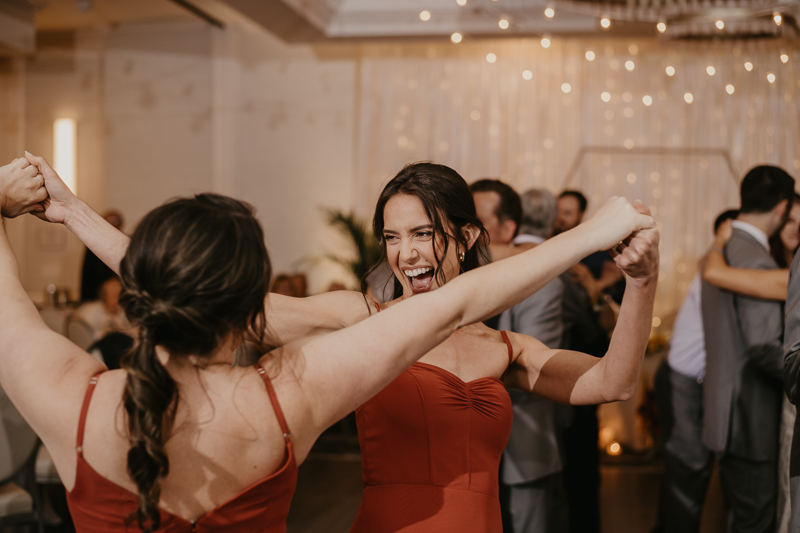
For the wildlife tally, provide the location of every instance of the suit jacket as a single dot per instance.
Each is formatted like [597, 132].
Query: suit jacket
[742, 387]
[791, 350]
[533, 449]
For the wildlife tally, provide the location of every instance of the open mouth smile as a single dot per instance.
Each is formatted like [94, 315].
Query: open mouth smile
[420, 278]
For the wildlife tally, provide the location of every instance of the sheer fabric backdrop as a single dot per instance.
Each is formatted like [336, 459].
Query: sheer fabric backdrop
[683, 154]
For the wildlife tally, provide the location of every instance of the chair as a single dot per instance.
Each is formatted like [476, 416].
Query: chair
[19, 505]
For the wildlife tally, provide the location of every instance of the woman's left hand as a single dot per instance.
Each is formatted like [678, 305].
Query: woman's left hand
[21, 188]
[638, 255]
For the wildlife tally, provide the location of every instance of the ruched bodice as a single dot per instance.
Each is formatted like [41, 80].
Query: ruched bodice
[430, 448]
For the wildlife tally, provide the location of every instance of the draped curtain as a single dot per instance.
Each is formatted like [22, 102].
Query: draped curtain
[551, 118]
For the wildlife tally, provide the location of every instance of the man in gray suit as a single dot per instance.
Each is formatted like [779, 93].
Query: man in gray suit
[531, 467]
[742, 386]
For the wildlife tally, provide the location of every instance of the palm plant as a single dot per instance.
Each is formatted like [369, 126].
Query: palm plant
[358, 233]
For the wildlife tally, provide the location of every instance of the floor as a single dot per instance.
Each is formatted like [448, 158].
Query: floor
[329, 492]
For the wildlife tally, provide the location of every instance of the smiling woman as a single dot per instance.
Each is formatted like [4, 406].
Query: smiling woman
[426, 200]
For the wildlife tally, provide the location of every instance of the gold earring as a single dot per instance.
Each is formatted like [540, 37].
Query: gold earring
[461, 257]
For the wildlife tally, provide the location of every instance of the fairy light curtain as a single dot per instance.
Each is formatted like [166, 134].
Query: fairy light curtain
[673, 124]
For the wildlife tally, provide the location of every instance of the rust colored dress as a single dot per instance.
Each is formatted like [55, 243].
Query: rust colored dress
[99, 505]
[430, 452]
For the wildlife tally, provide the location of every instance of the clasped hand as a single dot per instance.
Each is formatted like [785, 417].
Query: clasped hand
[30, 185]
[630, 233]
[21, 188]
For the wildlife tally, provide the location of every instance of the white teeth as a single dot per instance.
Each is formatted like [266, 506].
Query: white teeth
[416, 272]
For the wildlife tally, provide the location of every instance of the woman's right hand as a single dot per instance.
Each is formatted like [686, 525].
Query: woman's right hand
[723, 234]
[617, 220]
[60, 201]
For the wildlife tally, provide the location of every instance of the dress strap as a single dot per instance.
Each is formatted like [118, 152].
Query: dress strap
[510, 353]
[273, 398]
[85, 409]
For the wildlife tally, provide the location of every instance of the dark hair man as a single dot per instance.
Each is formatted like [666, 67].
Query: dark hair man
[744, 360]
[499, 208]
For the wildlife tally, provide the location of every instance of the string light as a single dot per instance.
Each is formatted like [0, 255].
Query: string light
[606, 97]
[688, 97]
[566, 88]
[545, 42]
[770, 77]
[605, 23]
[729, 89]
[647, 100]
[784, 57]
[527, 74]
[590, 55]
[456, 37]
[711, 70]
[462, 3]
[425, 15]
[661, 27]
[719, 24]
[629, 65]
[549, 12]
[503, 23]
[670, 70]
[777, 18]
[491, 58]
[748, 66]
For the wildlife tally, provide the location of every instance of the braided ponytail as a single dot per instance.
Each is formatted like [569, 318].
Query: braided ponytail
[195, 272]
[150, 400]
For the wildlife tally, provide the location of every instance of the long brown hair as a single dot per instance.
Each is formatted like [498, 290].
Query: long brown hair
[449, 205]
[196, 271]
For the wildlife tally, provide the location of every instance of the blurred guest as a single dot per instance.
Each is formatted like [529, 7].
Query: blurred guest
[741, 390]
[605, 276]
[679, 393]
[770, 285]
[94, 273]
[533, 486]
[336, 286]
[499, 205]
[284, 285]
[300, 284]
[105, 315]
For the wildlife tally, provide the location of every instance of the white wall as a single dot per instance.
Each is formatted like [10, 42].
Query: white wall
[176, 108]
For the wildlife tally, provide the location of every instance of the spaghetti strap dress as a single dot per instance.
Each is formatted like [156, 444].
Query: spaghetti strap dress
[98, 505]
[430, 453]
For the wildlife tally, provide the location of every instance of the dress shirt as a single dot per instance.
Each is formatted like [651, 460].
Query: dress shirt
[687, 350]
[759, 235]
[526, 239]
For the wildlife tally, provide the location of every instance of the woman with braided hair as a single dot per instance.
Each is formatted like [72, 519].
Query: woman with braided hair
[179, 439]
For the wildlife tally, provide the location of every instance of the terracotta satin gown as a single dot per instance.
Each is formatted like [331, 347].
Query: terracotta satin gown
[430, 452]
[99, 505]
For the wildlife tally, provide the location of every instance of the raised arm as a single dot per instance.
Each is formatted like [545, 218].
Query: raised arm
[107, 242]
[341, 370]
[43, 374]
[289, 319]
[578, 378]
[765, 284]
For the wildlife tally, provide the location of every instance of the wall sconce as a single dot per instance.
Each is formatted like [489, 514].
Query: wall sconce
[65, 151]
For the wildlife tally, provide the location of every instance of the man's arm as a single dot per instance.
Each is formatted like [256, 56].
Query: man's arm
[761, 321]
[791, 340]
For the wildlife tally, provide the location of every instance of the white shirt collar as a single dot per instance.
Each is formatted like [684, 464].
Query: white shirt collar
[759, 235]
[525, 239]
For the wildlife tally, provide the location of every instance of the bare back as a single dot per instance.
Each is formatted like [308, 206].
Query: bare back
[225, 439]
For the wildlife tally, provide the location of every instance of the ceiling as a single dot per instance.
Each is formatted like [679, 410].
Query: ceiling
[326, 20]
